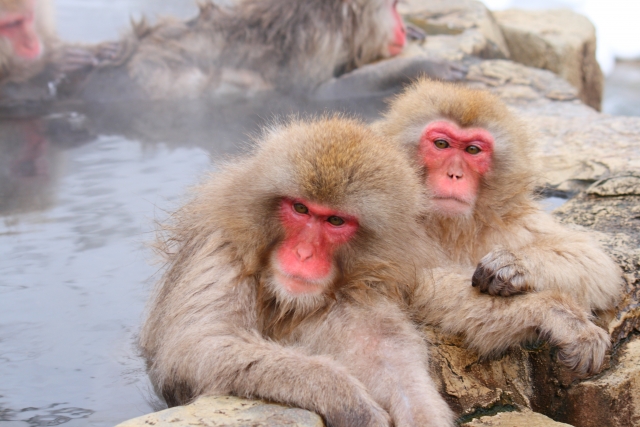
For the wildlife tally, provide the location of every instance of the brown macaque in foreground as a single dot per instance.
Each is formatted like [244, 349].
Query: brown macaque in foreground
[477, 167]
[285, 274]
[251, 46]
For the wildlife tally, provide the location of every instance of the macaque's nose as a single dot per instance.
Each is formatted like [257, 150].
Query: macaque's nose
[455, 175]
[304, 251]
[455, 170]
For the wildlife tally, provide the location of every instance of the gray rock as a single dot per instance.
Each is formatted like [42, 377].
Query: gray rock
[613, 399]
[228, 412]
[515, 419]
[558, 40]
[456, 29]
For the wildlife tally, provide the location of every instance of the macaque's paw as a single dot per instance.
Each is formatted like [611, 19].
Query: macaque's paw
[366, 412]
[585, 353]
[76, 58]
[500, 273]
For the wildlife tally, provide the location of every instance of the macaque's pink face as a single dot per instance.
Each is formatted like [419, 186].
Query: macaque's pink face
[455, 159]
[18, 27]
[304, 262]
[399, 33]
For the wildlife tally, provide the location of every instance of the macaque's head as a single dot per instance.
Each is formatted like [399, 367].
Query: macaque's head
[456, 159]
[323, 204]
[18, 32]
[472, 150]
[398, 31]
[379, 31]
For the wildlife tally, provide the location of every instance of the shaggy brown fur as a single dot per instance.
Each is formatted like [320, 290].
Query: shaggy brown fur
[351, 354]
[254, 45]
[515, 245]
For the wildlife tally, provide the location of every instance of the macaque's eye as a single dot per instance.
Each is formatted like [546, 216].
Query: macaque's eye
[441, 144]
[336, 221]
[472, 149]
[12, 24]
[300, 208]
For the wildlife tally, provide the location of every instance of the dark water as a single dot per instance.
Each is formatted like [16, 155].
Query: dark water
[79, 194]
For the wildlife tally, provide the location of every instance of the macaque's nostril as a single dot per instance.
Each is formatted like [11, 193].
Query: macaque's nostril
[304, 252]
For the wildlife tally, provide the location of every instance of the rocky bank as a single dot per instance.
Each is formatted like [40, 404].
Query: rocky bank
[543, 65]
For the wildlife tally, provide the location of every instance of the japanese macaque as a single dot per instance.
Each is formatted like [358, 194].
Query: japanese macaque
[478, 168]
[252, 46]
[284, 274]
[33, 62]
[26, 34]
[288, 279]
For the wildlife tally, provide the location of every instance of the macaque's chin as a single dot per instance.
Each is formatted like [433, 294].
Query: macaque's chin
[395, 49]
[452, 207]
[28, 52]
[296, 286]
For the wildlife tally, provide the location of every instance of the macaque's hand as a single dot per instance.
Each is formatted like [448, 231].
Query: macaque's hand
[500, 273]
[75, 58]
[364, 412]
[584, 352]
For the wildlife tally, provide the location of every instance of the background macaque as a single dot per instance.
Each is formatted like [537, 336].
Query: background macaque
[478, 162]
[33, 62]
[26, 35]
[251, 46]
[285, 273]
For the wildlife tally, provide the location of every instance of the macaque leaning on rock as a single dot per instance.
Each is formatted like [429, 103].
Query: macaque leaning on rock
[476, 163]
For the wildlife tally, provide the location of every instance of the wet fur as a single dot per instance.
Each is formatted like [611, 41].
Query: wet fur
[290, 45]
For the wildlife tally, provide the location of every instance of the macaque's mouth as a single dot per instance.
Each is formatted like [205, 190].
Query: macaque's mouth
[395, 49]
[452, 199]
[452, 206]
[296, 285]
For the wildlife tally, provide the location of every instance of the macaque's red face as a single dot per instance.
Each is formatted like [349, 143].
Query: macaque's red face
[399, 33]
[18, 27]
[304, 262]
[455, 159]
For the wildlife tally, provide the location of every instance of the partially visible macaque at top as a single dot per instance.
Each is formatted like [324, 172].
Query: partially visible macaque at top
[251, 46]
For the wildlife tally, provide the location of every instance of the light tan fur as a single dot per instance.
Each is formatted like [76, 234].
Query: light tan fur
[490, 325]
[508, 236]
[218, 325]
[252, 45]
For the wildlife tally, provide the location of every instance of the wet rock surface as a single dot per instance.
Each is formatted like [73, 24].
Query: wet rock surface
[515, 419]
[228, 412]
